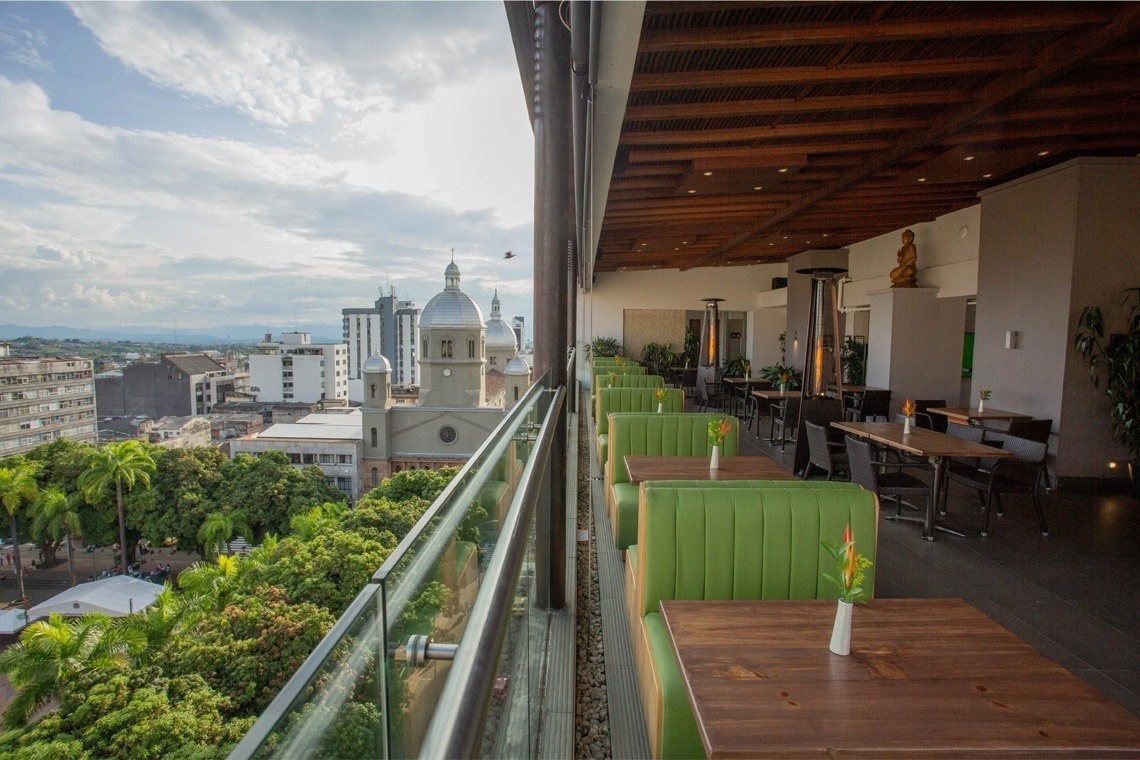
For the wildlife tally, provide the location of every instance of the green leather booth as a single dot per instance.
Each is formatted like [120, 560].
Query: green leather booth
[644, 400]
[599, 376]
[728, 540]
[653, 435]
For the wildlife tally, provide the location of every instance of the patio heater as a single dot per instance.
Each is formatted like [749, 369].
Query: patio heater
[708, 364]
[823, 367]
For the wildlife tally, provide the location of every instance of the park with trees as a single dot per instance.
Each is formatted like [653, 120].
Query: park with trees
[188, 676]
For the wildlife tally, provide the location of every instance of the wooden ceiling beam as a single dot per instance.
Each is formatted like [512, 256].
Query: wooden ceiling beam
[847, 72]
[1050, 62]
[762, 156]
[773, 132]
[1046, 19]
[782, 106]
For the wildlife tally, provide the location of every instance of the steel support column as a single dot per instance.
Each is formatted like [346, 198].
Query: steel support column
[552, 211]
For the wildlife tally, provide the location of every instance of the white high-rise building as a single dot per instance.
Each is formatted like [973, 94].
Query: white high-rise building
[297, 370]
[45, 399]
[390, 328]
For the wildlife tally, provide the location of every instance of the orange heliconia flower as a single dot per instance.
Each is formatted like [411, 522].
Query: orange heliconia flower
[851, 562]
[908, 408]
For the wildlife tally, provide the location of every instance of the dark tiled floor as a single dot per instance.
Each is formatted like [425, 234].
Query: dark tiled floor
[1075, 595]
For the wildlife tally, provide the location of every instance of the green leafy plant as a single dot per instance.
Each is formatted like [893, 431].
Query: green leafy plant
[734, 367]
[692, 348]
[984, 394]
[603, 346]
[781, 374]
[851, 568]
[659, 358]
[853, 354]
[1117, 362]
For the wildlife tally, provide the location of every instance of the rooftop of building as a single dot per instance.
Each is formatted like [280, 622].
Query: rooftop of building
[194, 364]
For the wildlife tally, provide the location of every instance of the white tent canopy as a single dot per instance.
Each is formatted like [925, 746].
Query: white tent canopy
[12, 621]
[117, 597]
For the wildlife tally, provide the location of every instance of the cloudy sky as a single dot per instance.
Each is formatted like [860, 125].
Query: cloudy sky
[258, 162]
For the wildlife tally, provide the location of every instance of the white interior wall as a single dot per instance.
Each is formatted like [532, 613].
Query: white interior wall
[947, 257]
[601, 311]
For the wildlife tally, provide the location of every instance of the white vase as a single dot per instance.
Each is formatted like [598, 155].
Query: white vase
[660, 407]
[783, 388]
[981, 405]
[714, 463]
[906, 425]
[841, 631]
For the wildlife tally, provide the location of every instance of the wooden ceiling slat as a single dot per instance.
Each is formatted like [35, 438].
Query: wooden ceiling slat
[787, 106]
[1044, 18]
[774, 132]
[685, 80]
[759, 156]
[1050, 62]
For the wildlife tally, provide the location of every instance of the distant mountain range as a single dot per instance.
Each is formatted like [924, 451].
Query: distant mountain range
[206, 335]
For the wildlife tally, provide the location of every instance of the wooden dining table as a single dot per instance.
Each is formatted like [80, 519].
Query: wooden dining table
[642, 468]
[925, 678]
[933, 446]
[966, 415]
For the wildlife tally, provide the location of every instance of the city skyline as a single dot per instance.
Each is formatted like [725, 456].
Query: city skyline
[257, 163]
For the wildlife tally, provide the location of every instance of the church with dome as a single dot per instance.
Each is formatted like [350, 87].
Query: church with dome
[470, 373]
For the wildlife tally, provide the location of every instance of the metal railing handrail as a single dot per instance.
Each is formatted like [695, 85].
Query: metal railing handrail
[456, 726]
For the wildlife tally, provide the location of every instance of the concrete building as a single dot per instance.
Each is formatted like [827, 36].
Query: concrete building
[331, 441]
[298, 370]
[518, 324]
[178, 432]
[177, 385]
[390, 328]
[45, 399]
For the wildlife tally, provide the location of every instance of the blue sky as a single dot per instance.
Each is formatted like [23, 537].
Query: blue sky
[257, 163]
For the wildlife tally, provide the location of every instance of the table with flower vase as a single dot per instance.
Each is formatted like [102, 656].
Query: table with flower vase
[925, 678]
[642, 468]
[966, 415]
[933, 446]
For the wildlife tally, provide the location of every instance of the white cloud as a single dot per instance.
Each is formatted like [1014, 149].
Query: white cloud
[398, 131]
[22, 45]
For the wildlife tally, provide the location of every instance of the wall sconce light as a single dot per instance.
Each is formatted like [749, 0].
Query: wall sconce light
[1011, 338]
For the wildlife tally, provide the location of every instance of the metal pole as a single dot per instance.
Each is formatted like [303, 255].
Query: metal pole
[552, 208]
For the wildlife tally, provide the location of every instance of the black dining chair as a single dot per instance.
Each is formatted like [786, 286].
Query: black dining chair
[824, 454]
[689, 382]
[1022, 473]
[924, 419]
[888, 480]
[784, 415]
[874, 403]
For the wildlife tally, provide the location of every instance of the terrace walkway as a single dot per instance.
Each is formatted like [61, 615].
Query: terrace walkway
[1074, 595]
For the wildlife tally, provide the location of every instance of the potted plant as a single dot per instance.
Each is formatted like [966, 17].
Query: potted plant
[734, 367]
[853, 355]
[1117, 362]
[603, 346]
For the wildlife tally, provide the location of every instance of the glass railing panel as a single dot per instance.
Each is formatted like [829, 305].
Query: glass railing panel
[431, 582]
[337, 704]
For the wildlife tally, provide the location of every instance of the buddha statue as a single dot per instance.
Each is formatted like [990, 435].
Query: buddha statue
[905, 275]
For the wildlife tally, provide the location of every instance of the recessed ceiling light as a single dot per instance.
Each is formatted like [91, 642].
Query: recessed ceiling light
[771, 243]
[825, 234]
[785, 237]
[807, 242]
[684, 242]
[783, 170]
[708, 174]
[1042, 152]
[692, 191]
[987, 175]
[758, 187]
[968, 158]
[922, 179]
[644, 244]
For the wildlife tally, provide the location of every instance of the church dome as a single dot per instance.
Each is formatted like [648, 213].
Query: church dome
[517, 366]
[377, 363]
[500, 336]
[452, 307]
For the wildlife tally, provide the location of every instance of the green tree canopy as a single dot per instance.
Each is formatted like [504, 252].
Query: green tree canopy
[269, 490]
[183, 491]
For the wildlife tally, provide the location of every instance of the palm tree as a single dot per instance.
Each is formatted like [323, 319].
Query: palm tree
[52, 652]
[18, 489]
[57, 516]
[322, 516]
[149, 630]
[221, 528]
[212, 584]
[123, 464]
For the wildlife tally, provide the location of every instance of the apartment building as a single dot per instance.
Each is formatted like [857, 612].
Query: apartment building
[177, 385]
[331, 441]
[390, 327]
[45, 399]
[298, 370]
